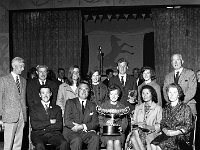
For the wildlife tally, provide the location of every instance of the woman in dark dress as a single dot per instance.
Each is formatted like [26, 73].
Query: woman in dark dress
[176, 121]
[99, 90]
[113, 142]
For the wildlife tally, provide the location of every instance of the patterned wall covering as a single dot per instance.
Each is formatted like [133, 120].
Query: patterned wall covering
[4, 40]
[4, 54]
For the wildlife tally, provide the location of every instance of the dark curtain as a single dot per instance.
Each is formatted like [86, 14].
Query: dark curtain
[148, 50]
[50, 37]
[176, 31]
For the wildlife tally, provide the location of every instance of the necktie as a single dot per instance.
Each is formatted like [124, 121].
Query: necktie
[122, 80]
[42, 82]
[18, 84]
[46, 108]
[176, 77]
[83, 108]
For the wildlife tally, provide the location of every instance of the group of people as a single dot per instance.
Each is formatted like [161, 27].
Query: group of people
[64, 114]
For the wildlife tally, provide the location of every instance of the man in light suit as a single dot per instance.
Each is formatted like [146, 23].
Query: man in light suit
[13, 105]
[34, 85]
[81, 121]
[125, 82]
[185, 78]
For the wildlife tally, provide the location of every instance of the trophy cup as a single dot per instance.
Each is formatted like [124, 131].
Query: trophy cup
[132, 96]
[113, 128]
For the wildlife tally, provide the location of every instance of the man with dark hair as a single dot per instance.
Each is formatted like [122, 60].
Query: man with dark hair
[61, 76]
[126, 83]
[109, 74]
[46, 122]
[137, 76]
[81, 120]
[13, 105]
[33, 86]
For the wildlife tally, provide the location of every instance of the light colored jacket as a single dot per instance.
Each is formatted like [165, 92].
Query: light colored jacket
[65, 93]
[11, 102]
[187, 82]
[153, 118]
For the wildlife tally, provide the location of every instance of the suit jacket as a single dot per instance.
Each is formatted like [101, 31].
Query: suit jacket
[33, 91]
[73, 113]
[129, 85]
[11, 102]
[106, 82]
[187, 81]
[40, 119]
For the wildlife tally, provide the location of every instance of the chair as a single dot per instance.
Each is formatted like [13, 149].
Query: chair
[31, 146]
[193, 135]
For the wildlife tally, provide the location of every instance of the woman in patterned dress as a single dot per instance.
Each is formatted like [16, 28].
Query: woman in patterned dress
[176, 121]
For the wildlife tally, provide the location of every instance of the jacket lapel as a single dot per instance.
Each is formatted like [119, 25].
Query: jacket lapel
[182, 76]
[172, 77]
[78, 106]
[13, 83]
[87, 110]
[118, 80]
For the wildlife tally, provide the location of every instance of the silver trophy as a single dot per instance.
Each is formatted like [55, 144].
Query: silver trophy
[132, 96]
[113, 128]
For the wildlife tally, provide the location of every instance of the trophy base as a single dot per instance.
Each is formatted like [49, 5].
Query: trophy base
[111, 130]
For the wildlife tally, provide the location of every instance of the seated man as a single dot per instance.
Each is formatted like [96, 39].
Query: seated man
[81, 121]
[46, 122]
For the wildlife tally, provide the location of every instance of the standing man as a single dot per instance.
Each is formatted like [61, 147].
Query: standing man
[109, 74]
[46, 122]
[185, 78]
[126, 83]
[137, 76]
[34, 85]
[81, 121]
[61, 76]
[13, 105]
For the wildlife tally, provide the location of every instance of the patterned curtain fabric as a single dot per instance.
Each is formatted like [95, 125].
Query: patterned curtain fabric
[50, 37]
[176, 31]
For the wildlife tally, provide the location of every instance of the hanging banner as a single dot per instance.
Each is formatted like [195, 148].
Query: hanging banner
[114, 47]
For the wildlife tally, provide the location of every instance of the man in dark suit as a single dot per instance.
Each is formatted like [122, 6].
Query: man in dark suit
[81, 121]
[61, 76]
[137, 76]
[13, 105]
[33, 86]
[126, 83]
[185, 78]
[109, 74]
[46, 122]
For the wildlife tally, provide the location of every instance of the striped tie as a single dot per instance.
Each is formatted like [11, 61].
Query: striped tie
[18, 84]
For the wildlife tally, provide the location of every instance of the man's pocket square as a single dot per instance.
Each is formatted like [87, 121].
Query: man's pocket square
[91, 113]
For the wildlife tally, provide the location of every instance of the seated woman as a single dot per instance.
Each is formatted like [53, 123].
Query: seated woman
[113, 142]
[149, 76]
[176, 121]
[146, 120]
